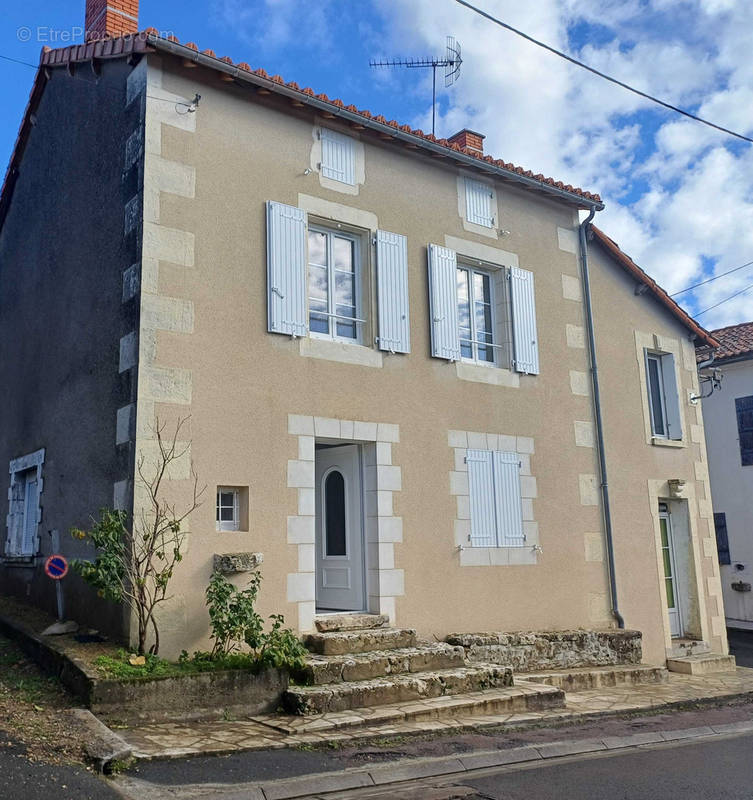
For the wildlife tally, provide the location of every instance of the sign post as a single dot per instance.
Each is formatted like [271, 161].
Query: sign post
[56, 567]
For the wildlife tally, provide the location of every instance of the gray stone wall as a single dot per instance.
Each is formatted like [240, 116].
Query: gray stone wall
[535, 650]
[64, 246]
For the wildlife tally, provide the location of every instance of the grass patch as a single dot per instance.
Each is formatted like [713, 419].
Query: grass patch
[118, 667]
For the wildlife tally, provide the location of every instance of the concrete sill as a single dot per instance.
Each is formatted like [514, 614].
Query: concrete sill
[657, 441]
[18, 561]
[495, 376]
[345, 353]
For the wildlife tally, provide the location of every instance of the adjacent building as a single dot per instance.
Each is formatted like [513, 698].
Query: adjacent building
[385, 343]
[728, 410]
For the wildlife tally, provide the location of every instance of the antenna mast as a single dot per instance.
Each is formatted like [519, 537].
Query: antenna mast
[451, 63]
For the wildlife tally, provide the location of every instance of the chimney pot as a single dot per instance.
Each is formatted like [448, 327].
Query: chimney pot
[468, 139]
[107, 19]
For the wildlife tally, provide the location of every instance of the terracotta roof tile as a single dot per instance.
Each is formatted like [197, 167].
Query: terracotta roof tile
[734, 341]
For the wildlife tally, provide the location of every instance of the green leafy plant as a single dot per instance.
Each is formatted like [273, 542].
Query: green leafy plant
[134, 563]
[234, 621]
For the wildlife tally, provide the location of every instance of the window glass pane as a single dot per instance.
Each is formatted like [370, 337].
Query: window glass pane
[343, 250]
[664, 536]
[670, 593]
[317, 248]
[226, 514]
[654, 393]
[345, 289]
[481, 288]
[464, 313]
[227, 499]
[318, 286]
[334, 514]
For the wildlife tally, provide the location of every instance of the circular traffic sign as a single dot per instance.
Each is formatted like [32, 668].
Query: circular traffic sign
[56, 567]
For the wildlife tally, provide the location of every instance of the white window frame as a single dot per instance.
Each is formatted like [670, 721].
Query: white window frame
[471, 185]
[235, 523]
[358, 320]
[494, 345]
[657, 358]
[30, 464]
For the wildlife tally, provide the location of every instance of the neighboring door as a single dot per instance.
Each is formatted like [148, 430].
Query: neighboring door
[339, 529]
[670, 571]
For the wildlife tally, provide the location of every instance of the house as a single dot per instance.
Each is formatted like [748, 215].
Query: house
[728, 411]
[386, 345]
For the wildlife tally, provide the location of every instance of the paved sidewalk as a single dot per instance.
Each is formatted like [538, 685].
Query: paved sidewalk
[179, 739]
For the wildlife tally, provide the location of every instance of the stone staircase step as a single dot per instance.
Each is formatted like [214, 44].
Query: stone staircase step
[518, 699]
[321, 670]
[688, 647]
[582, 679]
[337, 643]
[326, 623]
[403, 688]
[702, 664]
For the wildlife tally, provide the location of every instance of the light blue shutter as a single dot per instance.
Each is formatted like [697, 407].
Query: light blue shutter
[478, 203]
[671, 397]
[481, 486]
[507, 499]
[31, 509]
[525, 339]
[286, 270]
[338, 157]
[392, 291]
[15, 518]
[443, 299]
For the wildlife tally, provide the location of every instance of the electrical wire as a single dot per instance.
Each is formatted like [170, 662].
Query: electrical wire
[727, 299]
[602, 74]
[713, 278]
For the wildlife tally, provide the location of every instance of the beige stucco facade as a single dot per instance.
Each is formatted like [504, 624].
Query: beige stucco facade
[259, 402]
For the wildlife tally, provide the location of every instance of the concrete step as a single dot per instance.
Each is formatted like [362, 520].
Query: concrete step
[702, 664]
[688, 647]
[582, 679]
[338, 643]
[326, 623]
[320, 670]
[404, 688]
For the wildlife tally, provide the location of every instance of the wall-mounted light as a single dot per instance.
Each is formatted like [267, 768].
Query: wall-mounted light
[307, 171]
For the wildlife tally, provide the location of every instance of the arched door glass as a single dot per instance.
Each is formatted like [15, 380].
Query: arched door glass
[334, 514]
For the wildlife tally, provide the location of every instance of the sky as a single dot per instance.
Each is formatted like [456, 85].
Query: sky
[679, 198]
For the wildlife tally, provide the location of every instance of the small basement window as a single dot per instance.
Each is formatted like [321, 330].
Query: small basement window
[232, 508]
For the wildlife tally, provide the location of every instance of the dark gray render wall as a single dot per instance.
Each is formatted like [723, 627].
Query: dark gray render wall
[63, 249]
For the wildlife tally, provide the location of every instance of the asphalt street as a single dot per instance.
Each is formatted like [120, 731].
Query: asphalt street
[721, 769]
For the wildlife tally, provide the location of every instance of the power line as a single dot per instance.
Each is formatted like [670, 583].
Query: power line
[713, 278]
[721, 302]
[602, 74]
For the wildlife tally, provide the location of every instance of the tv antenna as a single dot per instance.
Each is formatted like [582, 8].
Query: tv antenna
[451, 63]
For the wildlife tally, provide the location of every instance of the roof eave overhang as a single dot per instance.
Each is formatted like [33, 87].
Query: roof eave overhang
[245, 76]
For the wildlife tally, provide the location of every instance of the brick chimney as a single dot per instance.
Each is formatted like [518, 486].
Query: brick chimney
[470, 139]
[106, 19]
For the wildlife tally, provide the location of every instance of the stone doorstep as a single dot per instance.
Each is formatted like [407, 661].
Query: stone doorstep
[337, 643]
[702, 664]
[584, 678]
[687, 647]
[321, 670]
[402, 688]
[510, 699]
[334, 623]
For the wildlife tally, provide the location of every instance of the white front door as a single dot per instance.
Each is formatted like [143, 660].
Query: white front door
[339, 529]
[670, 572]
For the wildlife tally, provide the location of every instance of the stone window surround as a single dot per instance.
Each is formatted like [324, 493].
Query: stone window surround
[18, 465]
[382, 479]
[661, 344]
[460, 442]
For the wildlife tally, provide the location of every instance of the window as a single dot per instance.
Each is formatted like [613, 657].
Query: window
[475, 315]
[744, 411]
[722, 541]
[496, 504]
[338, 157]
[334, 284]
[24, 512]
[228, 509]
[663, 398]
[479, 203]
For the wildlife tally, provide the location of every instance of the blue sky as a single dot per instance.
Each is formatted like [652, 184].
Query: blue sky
[679, 198]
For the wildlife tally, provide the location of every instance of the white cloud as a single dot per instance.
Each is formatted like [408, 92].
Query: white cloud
[677, 193]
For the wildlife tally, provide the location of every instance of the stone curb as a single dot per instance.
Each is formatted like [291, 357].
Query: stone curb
[102, 745]
[407, 770]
